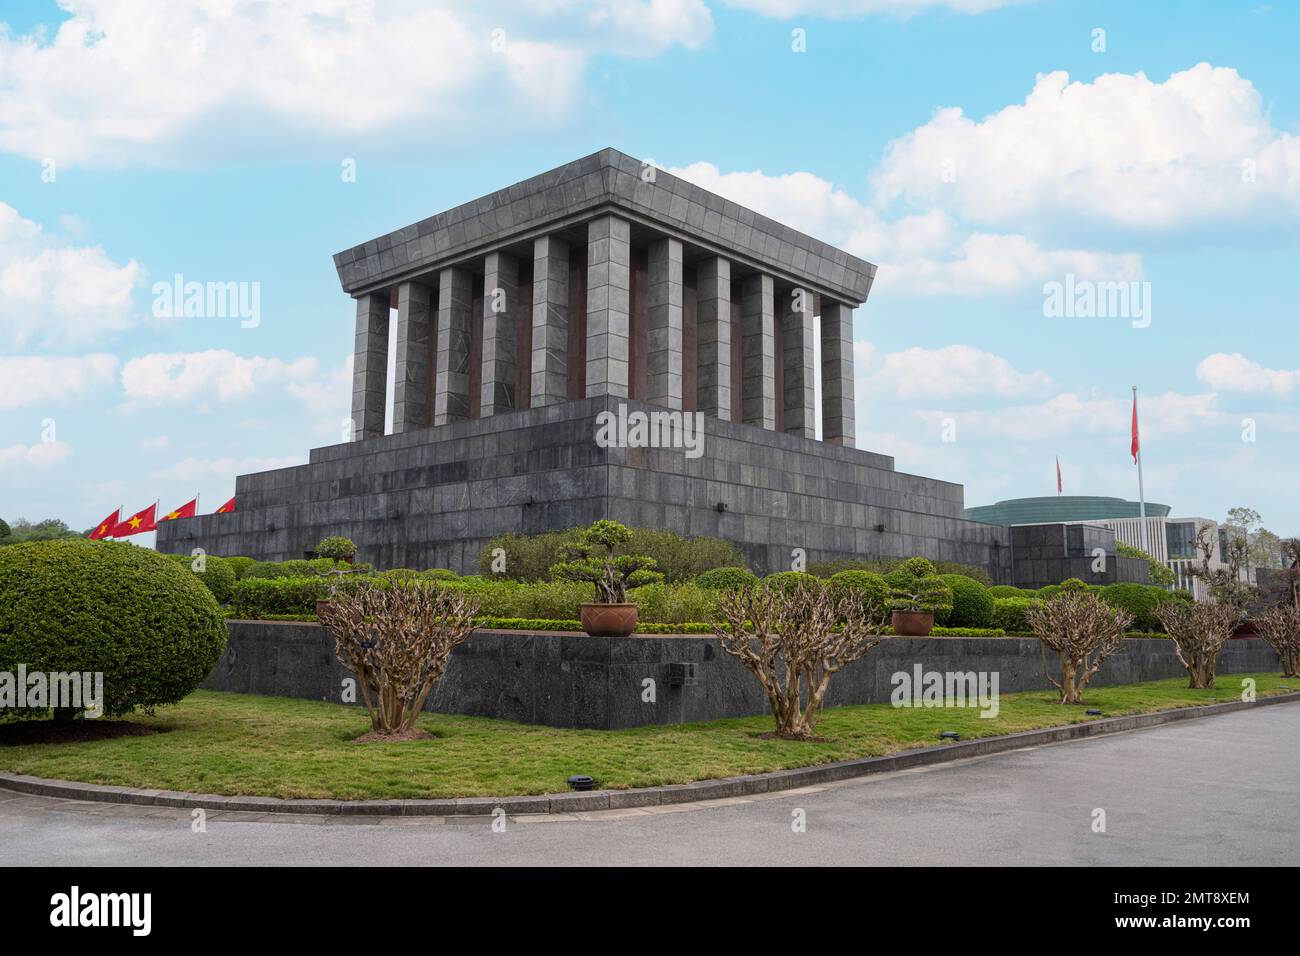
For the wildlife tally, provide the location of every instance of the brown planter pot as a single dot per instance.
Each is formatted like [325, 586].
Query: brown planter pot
[912, 623]
[608, 620]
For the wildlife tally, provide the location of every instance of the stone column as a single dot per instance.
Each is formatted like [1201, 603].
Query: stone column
[370, 366]
[451, 396]
[550, 320]
[410, 391]
[713, 337]
[664, 323]
[838, 425]
[501, 313]
[797, 363]
[759, 351]
[609, 284]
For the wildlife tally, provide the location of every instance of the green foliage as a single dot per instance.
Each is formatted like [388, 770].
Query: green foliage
[532, 557]
[1050, 591]
[127, 612]
[1072, 586]
[675, 603]
[286, 569]
[972, 605]
[336, 548]
[787, 581]
[1140, 600]
[5, 530]
[240, 565]
[869, 587]
[1011, 613]
[726, 579]
[256, 598]
[439, 574]
[927, 592]
[919, 567]
[217, 574]
[1007, 591]
[596, 559]
[1161, 573]
[51, 529]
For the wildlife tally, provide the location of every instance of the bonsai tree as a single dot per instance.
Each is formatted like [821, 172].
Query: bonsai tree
[1280, 626]
[1082, 630]
[595, 559]
[927, 594]
[790, 641]
[397, 640]
[337, 548]
[1199, 632]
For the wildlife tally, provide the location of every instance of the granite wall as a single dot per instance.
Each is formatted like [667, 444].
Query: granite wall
[570, 680]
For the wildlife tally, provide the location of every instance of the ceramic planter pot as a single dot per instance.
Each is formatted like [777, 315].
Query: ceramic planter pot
[608, 620]
[912, 623]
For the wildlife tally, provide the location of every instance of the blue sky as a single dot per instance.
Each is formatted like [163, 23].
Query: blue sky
[940, 140]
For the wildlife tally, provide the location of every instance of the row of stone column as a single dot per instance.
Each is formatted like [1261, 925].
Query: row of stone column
[764, 323]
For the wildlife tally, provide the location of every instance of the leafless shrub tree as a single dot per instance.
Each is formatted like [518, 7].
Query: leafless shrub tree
[397, 639]
[1280, 626]
[1083, 630]
[790, 642]
[1199, 631]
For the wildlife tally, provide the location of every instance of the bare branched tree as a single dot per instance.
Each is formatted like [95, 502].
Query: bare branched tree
[1199, 632]
[397, 640]
[1280, 626]
[1083, 630]
[791, 642]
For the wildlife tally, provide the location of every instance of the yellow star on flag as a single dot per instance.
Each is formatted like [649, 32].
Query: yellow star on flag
[135, 522]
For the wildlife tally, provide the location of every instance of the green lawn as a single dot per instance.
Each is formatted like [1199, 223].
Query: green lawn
[271, 746]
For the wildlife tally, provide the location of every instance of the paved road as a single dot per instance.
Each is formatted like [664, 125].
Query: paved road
[1221, 790]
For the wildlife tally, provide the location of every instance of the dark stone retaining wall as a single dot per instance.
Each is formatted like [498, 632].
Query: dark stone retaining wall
[571, 680]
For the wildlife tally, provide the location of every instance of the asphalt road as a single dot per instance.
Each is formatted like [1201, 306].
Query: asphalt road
[1221, 790]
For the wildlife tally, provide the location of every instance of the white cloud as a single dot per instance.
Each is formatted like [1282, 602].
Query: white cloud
[125, 81]
[187, 376]
[949, 372]
[56, 294]
[845, 9]
[32, 380]
[1236, 373]
[928, 253]
[40, 455]
[154, 442]
[1121, 150]
[204, 469]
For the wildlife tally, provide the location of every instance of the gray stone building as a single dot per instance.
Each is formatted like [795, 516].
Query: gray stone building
[601, 340]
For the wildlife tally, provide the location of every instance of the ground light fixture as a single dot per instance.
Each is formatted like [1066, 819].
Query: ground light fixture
[1094, 713]
[580, 781]
[950, 735]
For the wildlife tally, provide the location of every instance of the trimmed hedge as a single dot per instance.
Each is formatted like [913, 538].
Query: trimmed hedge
[217, 575]
[787, 581]
[240, 565]
[972, 605]
[1007, 591]
[287, 569]
[726, 579]
[136, 616]
[679, 559]
[1140, 600]
[1009, 614]
[870, 588]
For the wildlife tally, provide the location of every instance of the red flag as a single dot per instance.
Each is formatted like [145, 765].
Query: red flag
[186, 510]
[1135, 447]
[105, 528]
[1058, 474]
[138, 523]
[228, 507]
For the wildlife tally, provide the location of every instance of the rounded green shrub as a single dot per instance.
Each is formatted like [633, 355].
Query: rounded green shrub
[918, 567]
[439, 574]
[336, 548]
[287, 569]
[217, 575]
[1007, 591]
[147, 624]
[401, 574]
[867, 586]
[1072, 585]
[1050, 591]
[1140, 600]
[1010, 613]
[726, 579]
[972, 605]
[240, 565]
[787, 581]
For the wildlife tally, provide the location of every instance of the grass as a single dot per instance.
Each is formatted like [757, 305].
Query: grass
[270, 746]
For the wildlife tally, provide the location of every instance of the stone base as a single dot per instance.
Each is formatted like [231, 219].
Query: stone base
[434, 497]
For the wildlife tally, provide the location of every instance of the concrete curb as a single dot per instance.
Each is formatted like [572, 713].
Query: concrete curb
[722, 787]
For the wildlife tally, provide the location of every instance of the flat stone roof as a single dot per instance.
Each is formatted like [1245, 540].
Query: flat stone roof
[607, 180]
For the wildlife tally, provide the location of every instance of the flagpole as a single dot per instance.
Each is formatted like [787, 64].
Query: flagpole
[1142, 498]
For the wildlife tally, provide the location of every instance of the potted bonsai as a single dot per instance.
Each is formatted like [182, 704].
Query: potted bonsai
[596, 559]
[914, 606]
[340, 551]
